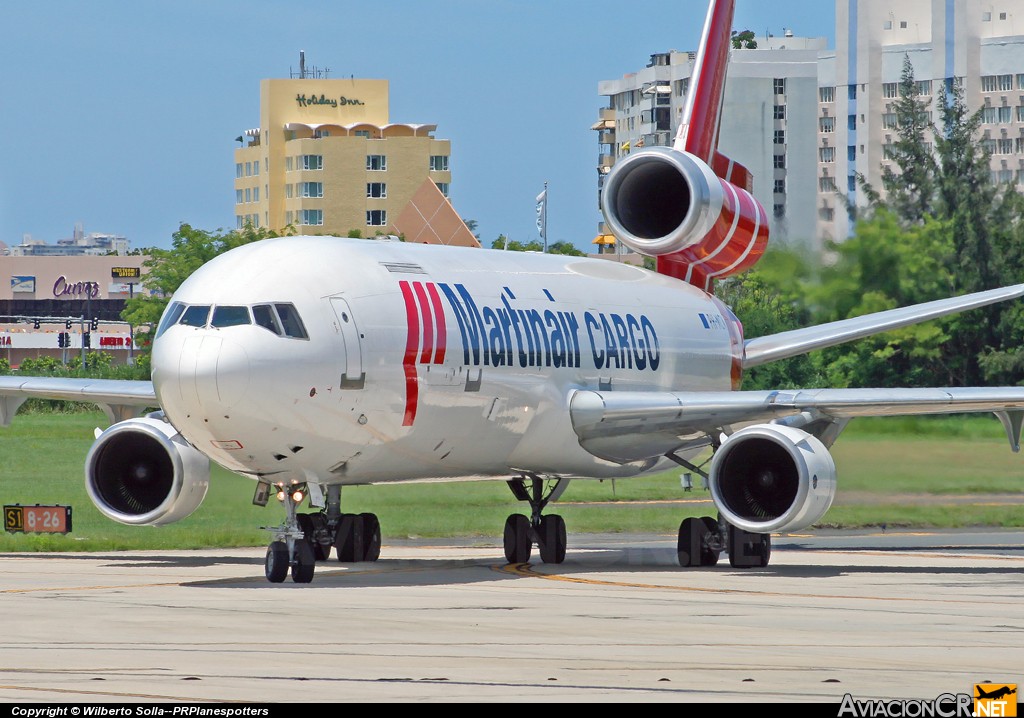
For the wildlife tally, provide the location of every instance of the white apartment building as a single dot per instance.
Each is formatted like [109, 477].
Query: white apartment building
[980, 43]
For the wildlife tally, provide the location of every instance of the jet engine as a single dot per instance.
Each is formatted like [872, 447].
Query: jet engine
[664, 203]
[769, 478]
[143, 472]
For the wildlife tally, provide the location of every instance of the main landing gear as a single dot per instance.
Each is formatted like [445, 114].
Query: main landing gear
[548, 532]
[702, 539]
[305, 539]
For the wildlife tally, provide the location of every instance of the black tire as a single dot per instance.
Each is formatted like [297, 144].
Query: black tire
[348, 539]
[276, 563]
[691, 532]
[749, 550]
[552, 539]
[708, 556]
[307, 524]
[371, 537]
[518, 546]
[305, 563]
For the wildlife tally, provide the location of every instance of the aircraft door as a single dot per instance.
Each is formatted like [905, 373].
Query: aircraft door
[353, 377]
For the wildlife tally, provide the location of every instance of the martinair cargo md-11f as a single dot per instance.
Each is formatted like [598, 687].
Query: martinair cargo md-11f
[314, 363]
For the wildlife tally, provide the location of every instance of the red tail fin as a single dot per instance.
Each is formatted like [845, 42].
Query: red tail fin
[691, 206]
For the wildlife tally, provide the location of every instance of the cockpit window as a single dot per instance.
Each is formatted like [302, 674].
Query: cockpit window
[266, 317]
[230, 316]
[291, 322]
[195, 316]
[171, 316]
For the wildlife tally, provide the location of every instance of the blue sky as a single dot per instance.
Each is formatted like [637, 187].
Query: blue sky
[122, 114]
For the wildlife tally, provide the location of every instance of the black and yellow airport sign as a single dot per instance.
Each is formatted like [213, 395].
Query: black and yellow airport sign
[37, 519]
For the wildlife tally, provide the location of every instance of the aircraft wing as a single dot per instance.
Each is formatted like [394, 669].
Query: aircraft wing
[800, 341]
[119, 398]
[626, 426]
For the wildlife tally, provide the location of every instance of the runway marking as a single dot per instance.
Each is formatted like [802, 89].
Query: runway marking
[90, 588]
[525, 570]
[118, 694]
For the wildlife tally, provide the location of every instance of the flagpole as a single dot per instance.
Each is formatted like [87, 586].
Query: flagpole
[545, 232]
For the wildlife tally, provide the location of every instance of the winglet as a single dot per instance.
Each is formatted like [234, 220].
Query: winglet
[1012, 422]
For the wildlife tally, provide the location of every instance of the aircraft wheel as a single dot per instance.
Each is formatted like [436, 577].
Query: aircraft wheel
[517, 539]
[371, 537]
[708, 556]
[692, 548]
[307, 524]
[305, 562]
[552, 539]
[348, 538]
[749, 550]
[276, 564]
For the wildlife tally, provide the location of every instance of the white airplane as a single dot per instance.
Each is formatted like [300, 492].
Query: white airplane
[314, 363]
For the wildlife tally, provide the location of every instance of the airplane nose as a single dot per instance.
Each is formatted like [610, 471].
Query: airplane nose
[203, 372]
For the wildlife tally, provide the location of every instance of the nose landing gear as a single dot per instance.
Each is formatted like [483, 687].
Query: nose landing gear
[290, 549]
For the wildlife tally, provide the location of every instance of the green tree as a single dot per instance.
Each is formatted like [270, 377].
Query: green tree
[743, 40]
[911, 190]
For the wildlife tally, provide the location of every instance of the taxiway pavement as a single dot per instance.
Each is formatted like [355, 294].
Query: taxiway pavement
[896, 615]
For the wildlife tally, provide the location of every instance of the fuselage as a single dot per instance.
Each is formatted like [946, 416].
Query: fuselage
[351, 361]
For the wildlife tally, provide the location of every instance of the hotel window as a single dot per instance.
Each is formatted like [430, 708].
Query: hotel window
[365, 134]
[288, 191]
[989, 83]
[1004, 147]
[311, 217]
[239, 194]
[924, 87]
[438, 163]
[780, 186]
[377, 190]
[1005, 113]
[889, 121]
[827, 213]
[780, 137]
[779, 85]
[248, 169]
[376, 163]
[238, 170]
[311, 162]
[779, 162]
[827, 154]
[779, 210]
[852, 92]
[1005, 82]
[256, 168]
[827, 94]
[443, 186]
[851, 122]
[827, 184]
[1018, 145]
[287, 164]
[890, 90]
[779, 112]
[311, 189]
[248, 195]
[255, 194]
[827, 124]
[377, 217]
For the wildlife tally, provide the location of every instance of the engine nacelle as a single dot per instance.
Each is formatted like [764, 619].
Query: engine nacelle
[143, 472]
[769, 478]
[668, 204]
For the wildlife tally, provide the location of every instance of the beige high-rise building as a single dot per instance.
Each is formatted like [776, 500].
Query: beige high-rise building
[327, 160]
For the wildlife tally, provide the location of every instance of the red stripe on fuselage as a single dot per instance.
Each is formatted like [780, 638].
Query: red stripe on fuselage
[412, 345]
[441, 341]
[428, 323]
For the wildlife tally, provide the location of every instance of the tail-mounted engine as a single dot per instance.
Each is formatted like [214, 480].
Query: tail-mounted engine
[668, 204]
[142, 472]
[768, 478]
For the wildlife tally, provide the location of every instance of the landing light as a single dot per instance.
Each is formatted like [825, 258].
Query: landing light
[297, 497]
[280, 495]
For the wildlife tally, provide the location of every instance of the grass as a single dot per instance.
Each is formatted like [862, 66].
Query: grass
[879, 463]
